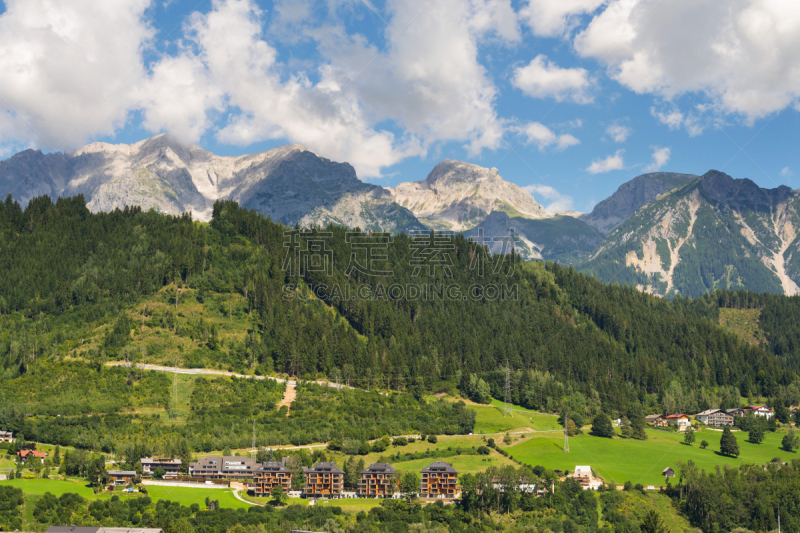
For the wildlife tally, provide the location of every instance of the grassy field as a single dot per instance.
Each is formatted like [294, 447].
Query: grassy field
[490, 419]
[189, 495]
[351, 505]
[619, 460]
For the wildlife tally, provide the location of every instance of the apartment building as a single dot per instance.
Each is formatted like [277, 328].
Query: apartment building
[378, 481]
[439, 480]
[216, 467]
[324, 480]
[270, 475]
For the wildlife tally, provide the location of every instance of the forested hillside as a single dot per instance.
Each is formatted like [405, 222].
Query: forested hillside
[131, 284]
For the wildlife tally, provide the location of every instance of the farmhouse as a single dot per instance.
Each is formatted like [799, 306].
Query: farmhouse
[656, 420]
[680, 420]
[216, 467]
[324, 480]
[715, 417]
[668, 472]
[270, 475]
[121, 477]
[172, 467]
[27, 455]
[377, 481]
[439, 480]
[759, 410]
[6, 436]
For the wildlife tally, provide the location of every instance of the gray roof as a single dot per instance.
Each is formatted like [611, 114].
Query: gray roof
[159, 460]
[379, 468]
[273, 466]
[326, 467]
[122, 473]
[439, 466]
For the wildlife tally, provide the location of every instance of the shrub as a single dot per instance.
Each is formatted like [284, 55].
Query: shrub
[432, 439]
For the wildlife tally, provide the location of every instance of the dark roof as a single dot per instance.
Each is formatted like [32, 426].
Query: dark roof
[122, 473]
[159, 460]
[272, 466]
[379, 468]
[326, 467]
[72, 529]
[439, 466]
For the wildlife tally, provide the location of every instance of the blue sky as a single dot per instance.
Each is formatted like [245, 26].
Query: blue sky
[568, 97]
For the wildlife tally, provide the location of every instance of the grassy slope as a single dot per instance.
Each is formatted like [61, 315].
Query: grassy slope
[744, 323]
[619, 460]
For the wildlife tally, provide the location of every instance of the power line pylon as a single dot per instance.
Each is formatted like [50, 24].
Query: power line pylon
[566, 431]
[254, 450]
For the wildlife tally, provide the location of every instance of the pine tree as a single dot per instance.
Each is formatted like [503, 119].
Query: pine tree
[601, 426]
[727, 443]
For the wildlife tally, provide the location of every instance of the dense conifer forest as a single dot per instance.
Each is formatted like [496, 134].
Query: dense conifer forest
[81, 289]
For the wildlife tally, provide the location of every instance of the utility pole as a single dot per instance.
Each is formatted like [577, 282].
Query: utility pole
[507, 399]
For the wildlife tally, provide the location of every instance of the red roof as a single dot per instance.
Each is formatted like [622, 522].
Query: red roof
[679, 415]
[757, 408]
[26, 453]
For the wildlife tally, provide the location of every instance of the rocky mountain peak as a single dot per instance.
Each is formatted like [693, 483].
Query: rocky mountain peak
[720, 188]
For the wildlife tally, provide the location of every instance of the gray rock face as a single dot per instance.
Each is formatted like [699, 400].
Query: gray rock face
[289, 183]
[458, 196]
[632, 195]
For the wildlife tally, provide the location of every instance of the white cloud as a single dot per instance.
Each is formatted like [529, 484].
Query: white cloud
[660, 158]
[741, 55]
[552, 18]
[544, 79]
[619, 133]
[674, 120]
[786, 172]
[556, 201]
[428, 82]
[68, 68]
[544, 137]
[612, 162]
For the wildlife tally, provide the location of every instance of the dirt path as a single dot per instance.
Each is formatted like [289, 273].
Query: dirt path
[288, 396]
[207, 372]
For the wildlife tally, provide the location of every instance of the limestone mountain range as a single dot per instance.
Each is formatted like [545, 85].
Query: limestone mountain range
[666, 233]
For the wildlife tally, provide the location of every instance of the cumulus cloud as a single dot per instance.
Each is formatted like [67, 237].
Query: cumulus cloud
[428, 81]
[786, 172]
[543, 137]
[553, 18]
[556, 202]
[619, 133]
[68, 68]
[741, 55]
[612, 162]
[660, 158]
[543, 79]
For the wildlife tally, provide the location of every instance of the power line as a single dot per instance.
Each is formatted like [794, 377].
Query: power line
[566, 431]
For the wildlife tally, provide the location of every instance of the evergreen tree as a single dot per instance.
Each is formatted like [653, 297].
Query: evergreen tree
[727, 443]
[653, 523]
[790, 441]
[756, 435]
[688, 437]
[601, 426]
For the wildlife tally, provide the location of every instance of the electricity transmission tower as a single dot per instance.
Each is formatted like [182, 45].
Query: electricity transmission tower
[566, 431]
[175, 394]
[507, 399]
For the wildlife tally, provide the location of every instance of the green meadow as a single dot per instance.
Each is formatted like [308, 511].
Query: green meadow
[619, 460]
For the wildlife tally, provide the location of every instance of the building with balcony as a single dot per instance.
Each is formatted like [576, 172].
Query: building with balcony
[324, 480]
[378, 481]
[439, 480]
[270, 475]
[216, 467]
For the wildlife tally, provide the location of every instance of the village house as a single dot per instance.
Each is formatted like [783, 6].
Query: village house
[656, 420]
[715, 417]
[172, 467]
[680, 420]
[121, 477]
[735, 412]
[759, 410]
[378, 481]
[270, 475]
[439, 480]
[6, 436]
[216, 467]
[585, 477]
[27, 455]
[324, 480]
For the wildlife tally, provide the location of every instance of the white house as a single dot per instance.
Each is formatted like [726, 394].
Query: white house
[759, 410]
